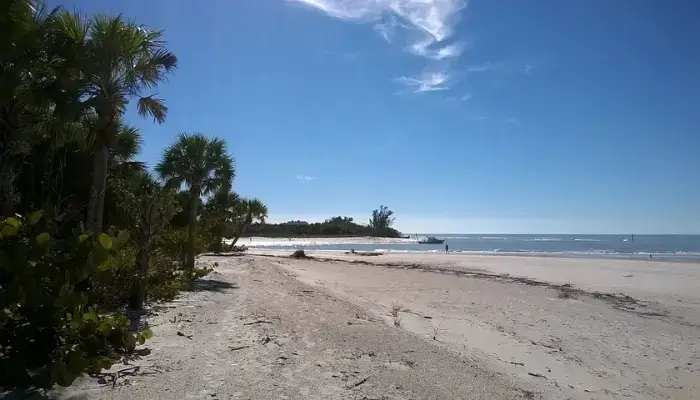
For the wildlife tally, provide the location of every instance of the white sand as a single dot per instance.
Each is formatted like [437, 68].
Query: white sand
[329, 326]
[259, 333]
[587, 347]
[672, 283]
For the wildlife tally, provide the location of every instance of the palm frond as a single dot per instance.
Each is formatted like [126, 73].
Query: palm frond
[72, 26]
[152, 106]
[127, 144]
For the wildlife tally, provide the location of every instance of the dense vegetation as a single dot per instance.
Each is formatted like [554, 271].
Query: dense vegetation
[87, 233]
[379, 225]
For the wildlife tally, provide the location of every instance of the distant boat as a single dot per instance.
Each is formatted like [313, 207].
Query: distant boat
[405, 236]
[431, 240]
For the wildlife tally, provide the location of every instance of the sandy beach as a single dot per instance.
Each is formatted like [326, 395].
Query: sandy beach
[431, 326]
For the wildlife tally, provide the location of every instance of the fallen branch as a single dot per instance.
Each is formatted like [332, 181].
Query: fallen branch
[517, 363]
[182, 334]
[114, 376]
[358, 383]
[260, 321]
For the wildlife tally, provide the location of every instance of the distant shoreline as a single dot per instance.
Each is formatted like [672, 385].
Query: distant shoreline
[681, 249]
[319, 236]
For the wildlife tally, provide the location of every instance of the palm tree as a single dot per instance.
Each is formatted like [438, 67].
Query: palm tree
[382, 220]
[149, 210]
[221, 208]
[204, 166]
[122, 61]
[248, 211]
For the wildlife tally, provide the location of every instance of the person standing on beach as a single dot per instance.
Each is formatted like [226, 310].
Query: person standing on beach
[447, 249]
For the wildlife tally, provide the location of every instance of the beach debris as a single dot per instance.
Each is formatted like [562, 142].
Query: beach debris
[358, 383]
[236, 348]
[535, 374]
[114, 376]
[265, 340]
[517, 363]
[259, 321]
[182, 334]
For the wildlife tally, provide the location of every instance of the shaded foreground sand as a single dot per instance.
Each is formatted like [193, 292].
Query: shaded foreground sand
[562, 333]
[252, 330]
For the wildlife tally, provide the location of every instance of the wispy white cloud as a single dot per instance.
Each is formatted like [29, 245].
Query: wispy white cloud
[423, 48]
[513, 121]
[432, 22]
[434, 18]
[528, 68]
[428, 82]
[302, 177]
[387, 28]
[385, 31]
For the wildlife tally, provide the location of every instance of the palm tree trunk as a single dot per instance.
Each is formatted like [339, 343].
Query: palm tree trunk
[138, 295]
[100, 161]
[7, 187]
[192, 228]
[247, 224]
[233, 243]
[219, 245]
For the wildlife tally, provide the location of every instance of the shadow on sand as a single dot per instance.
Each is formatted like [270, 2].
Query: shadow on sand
[212, 285]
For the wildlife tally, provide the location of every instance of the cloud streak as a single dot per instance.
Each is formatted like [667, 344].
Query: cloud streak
[501, 67]
[434, 18]
[430, 23]
[302, 177]
[429, 82]
[422, 48]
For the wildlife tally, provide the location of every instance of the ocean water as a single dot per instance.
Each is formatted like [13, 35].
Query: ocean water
[660, 247]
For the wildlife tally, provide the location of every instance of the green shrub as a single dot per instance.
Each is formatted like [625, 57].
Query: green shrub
[299, 254]
[174, 243]
[112, 288]
[49, 331]
[165, 279]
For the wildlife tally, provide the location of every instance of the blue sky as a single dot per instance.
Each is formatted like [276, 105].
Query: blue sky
[547, 116]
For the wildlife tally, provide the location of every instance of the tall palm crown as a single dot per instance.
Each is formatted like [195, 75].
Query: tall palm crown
[256, 211]
[125, 61]
[200, 163]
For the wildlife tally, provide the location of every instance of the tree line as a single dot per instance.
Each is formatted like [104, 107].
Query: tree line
[380, 225]
[87, 233]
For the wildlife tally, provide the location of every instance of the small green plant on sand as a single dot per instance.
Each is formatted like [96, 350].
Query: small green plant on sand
[436, 330]
[567, 291]
[299, 254]
[395, 310]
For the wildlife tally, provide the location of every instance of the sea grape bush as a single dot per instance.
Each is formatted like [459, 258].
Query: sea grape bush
[49, 334]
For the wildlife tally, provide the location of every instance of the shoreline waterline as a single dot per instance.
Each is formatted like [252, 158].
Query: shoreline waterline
[674, 248]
